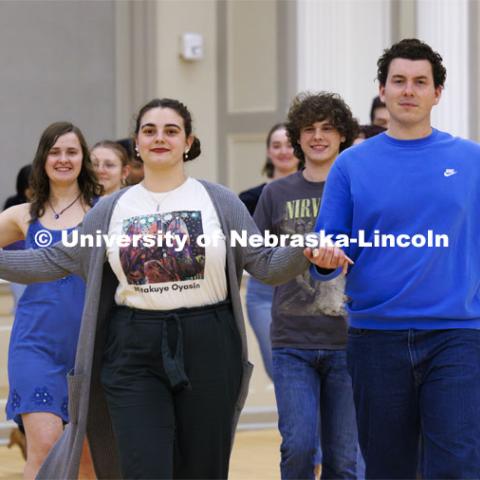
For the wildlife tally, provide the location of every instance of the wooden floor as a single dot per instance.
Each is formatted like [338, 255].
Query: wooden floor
[11, 463]
[255, 456]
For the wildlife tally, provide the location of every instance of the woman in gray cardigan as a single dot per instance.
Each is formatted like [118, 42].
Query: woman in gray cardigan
[161, 372]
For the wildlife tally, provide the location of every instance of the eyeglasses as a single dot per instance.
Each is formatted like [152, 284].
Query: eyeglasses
[107, 165]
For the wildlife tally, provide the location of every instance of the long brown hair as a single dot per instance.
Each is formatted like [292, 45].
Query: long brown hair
[40, 183]
[268, 168]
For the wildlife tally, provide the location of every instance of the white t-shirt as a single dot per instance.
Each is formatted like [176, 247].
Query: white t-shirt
[166, 265]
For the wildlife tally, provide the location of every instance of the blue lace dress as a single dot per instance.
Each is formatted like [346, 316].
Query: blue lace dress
[44, 340]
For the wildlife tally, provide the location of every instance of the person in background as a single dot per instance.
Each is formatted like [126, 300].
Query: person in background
[17, 436]
[22, 187]
[22, 196]
[110, 161]
[47, 321]
[368, 131]
[279, 163]
[135, 163]
[379, 114]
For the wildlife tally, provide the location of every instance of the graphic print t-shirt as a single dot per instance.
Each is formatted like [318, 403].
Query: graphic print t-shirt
[176, 254]
[304, 311]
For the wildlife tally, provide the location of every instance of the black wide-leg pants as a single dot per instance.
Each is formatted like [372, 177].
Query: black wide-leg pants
[171, 381]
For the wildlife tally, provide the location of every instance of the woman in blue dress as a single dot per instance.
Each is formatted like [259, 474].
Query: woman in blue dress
[44, 335]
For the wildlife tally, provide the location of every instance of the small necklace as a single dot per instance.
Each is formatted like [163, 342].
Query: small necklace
[56, 215]
[165, 196]
[158, 202]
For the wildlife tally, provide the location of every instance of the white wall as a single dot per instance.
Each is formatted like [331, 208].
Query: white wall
[444, 25]
[338, 44]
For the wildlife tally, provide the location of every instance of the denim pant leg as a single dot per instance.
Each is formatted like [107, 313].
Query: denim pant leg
[450, 402]
[386, 402]
[17, 291]
[297, 390]
[340, 447]
[259, 307]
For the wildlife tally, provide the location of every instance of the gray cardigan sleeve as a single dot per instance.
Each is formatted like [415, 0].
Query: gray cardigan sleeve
[40, 265]
[57, 261]
[273, 266]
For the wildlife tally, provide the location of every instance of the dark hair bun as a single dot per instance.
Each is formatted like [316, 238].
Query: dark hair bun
[194, 151]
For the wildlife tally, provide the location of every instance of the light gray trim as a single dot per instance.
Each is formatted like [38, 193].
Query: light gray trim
[257, 426]
[287, 53]
[403, 19]
[123, 75]
[222, 91]
[394, 19]
[255, 122]
[144, 58]
[260, 409]
[136, 58]
[474, 73]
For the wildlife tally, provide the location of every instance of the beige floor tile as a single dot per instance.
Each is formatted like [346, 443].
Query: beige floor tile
[255, 457]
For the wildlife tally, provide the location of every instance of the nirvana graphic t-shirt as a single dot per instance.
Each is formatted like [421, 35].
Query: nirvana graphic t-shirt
[305, 313]
[167, 249]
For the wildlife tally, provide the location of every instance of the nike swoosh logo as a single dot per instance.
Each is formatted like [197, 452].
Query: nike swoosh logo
[449, 172]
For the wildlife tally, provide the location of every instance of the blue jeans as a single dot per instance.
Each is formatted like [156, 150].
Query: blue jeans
[259, 307]
[412, 385]
[313, 384]
[17, 291]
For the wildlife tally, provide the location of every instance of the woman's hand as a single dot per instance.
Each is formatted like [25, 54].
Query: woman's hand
[329, 258]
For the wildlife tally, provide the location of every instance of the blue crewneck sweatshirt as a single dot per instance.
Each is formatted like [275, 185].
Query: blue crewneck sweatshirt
[408, 187]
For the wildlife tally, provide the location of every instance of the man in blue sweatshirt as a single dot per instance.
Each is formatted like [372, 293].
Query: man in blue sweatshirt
[414, 309]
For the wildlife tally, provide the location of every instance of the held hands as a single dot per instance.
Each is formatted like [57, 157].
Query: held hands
[329, 258]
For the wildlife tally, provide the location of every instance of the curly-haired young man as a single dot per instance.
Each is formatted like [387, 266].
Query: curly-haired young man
[309, 332]
[414, 310]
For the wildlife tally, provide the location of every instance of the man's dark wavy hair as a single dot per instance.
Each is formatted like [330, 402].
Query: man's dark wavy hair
[308, 108]
[412, 49]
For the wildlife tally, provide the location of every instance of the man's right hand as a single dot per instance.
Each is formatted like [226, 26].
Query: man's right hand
[329, 258]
